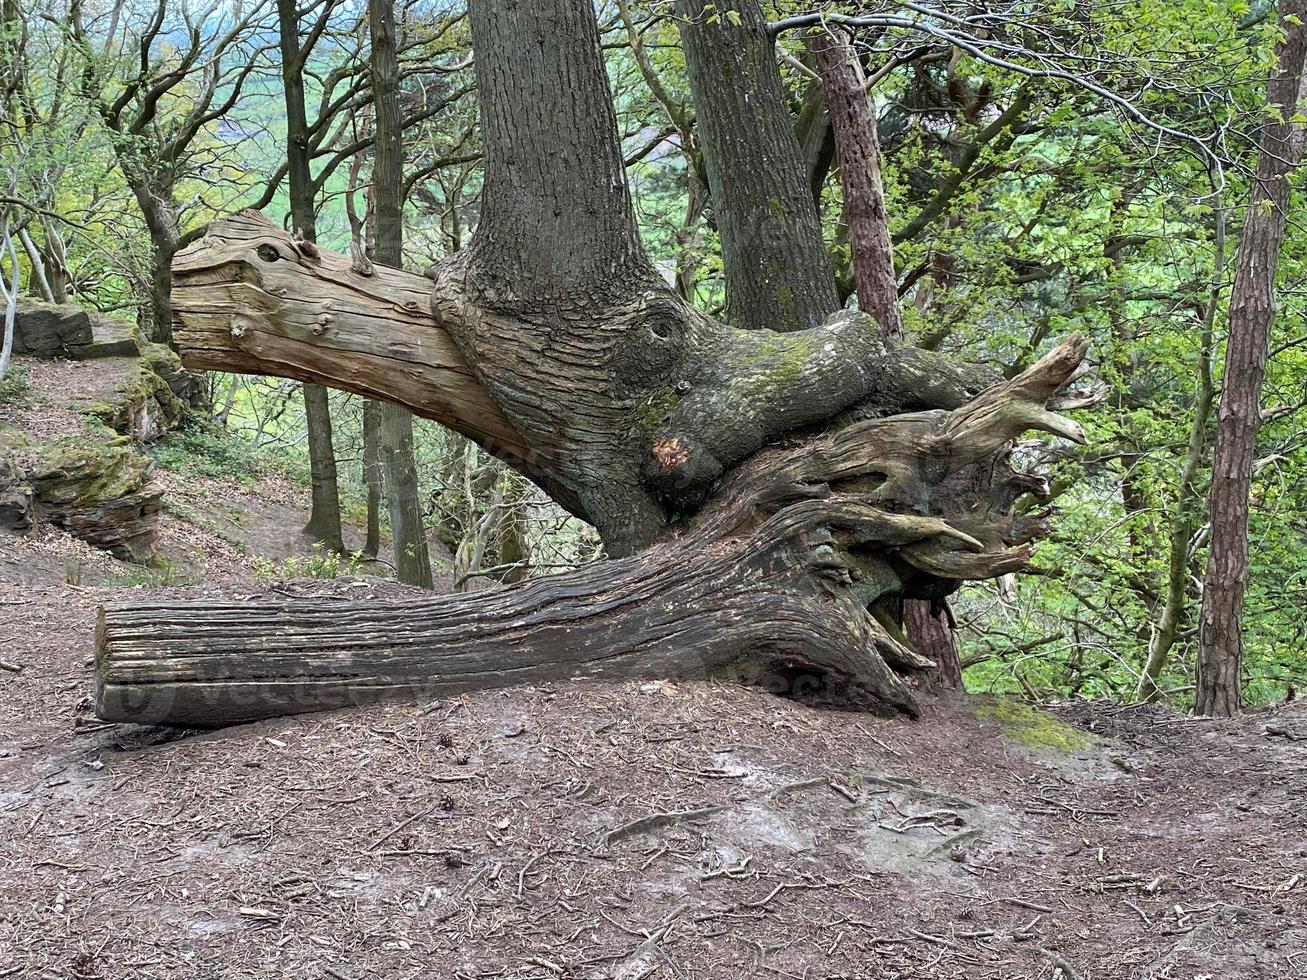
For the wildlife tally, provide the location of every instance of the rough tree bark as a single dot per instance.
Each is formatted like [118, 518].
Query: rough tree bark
[324, 512]
[750, 542]
[853, 121]
[1252, 312]
[762, 202]
[407, 527]
[926, 622]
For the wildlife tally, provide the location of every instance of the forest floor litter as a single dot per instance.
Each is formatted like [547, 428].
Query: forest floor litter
[643, 830]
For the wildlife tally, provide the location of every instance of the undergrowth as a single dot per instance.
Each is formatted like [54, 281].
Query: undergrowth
[162, 574]
[323, 564]
[14, 386]
[207, 449]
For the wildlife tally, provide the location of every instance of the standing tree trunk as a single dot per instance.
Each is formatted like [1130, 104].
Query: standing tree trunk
[778, 274]
[324, 513]
[755, 542]
[407, 527]
[1252, 311]
[926, 622]
[361, 228]
[857, 146]
[55, 260]
[373, 474]
[1187, 507]
[161, 222]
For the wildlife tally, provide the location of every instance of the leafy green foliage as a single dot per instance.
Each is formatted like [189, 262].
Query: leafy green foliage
[221, 454]
[14, 386]
[324, 565]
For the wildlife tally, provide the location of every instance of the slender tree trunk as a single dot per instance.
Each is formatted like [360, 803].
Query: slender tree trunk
[926, 622]
[1252, 312]
[38, 282]
[324, 518]
[373, 478]
[853, 120]
[324, 513]
[407, 526]
[816, 141]
[153, 193]
[158, 327]
[762, 197]
[361, 252]
[1188, 500]
[56, 264]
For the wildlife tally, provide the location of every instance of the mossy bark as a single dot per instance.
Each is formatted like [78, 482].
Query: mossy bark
[761, 188]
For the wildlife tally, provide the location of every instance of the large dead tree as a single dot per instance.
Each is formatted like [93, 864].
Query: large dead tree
[766, 495]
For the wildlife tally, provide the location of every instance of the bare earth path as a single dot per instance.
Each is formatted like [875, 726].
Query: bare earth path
[669, 831]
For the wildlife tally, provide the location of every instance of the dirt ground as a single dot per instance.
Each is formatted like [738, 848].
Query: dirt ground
[644, 830]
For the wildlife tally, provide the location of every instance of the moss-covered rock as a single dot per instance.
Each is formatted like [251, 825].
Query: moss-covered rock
[16, 512]
[99, 492]
[142, 396]
[110, 338]
[81, 472]
[141, 404]
[48, 330]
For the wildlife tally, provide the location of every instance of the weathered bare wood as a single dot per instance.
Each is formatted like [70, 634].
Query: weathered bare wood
[666, 612]
[248, 298]
[648, 406]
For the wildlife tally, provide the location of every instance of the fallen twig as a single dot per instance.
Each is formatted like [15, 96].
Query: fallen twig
[655, 820]
[397, 828]
[1069, 972]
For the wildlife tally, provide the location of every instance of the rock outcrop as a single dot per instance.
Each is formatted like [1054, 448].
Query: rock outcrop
[16, 511]
[99, 493]
[96, 487]
[47, 330]
[143, 396]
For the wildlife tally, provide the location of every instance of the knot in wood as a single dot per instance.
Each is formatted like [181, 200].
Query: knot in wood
[670, 452]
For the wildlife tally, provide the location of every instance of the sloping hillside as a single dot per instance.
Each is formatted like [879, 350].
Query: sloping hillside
[98, 484]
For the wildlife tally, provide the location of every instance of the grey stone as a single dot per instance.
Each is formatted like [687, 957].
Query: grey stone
[47, 330]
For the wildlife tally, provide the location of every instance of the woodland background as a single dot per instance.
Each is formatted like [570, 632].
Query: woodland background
[1024, 206]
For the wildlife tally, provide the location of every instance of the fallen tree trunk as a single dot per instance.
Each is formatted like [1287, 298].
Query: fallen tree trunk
[664, 613]
[777, 582]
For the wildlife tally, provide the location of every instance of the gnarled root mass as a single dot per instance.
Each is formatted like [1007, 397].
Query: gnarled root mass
[784, 573]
